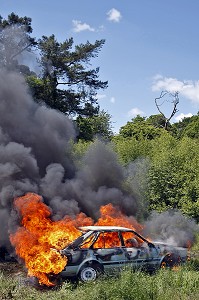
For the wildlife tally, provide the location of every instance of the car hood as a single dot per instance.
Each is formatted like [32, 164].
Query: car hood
[169, 248]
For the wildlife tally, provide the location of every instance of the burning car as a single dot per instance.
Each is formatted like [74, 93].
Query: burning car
[102, 249]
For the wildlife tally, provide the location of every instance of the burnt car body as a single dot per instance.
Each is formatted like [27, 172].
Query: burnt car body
[102, 249]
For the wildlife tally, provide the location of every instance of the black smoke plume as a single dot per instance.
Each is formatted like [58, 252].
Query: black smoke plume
[36, 156]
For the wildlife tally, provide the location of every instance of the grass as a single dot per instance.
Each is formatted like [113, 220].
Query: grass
[165, 284]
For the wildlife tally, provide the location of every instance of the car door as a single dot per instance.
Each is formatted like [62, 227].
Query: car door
[109, 250]
[139, 253]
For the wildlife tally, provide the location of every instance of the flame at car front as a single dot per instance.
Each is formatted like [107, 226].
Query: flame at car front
[34, 240]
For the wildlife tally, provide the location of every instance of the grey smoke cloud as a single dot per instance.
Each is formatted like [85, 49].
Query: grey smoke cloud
[44, 130]
[172, 227]
[4, 216]
[101, 167]
[97, 182]
[31, 138]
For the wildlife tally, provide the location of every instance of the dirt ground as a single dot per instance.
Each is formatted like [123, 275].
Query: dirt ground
[12, 269]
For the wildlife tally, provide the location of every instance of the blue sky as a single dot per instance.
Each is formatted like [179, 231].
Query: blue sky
[151, 45]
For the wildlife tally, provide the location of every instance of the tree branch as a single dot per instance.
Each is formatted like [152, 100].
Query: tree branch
[175, 103]
[19, 52]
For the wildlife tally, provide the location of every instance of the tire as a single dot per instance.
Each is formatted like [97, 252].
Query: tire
[89, 273]
[170, 261]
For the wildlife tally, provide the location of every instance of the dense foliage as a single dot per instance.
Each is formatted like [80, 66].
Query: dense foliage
[172, 163]
[99, 125]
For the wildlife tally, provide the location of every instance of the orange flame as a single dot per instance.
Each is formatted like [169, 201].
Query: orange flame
[39, 239]
[112, 216]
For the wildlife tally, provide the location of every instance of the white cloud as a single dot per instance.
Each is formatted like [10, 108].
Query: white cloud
[134, 112]
[104, 96]
[101, 96]
[188, 89]
[78, 26]
[114, 15]
[112, 100]
[181, 116]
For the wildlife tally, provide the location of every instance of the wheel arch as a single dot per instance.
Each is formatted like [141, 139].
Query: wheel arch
[90, 262]
[170, 259]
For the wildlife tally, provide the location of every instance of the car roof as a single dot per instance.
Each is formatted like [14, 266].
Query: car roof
[105, 228]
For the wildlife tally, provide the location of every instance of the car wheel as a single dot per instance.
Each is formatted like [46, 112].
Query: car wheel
[170, 261]
[88, 273]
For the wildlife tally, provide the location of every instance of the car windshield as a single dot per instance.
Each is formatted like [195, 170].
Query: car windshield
[87, 243]
[80, 240]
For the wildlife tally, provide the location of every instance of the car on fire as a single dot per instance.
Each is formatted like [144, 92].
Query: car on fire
[102, 249]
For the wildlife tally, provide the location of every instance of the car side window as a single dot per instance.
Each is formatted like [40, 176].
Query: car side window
[107, 240]
[131, 240]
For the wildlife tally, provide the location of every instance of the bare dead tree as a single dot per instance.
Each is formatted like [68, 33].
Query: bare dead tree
[173, 98]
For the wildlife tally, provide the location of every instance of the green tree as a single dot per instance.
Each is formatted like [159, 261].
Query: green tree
[140, 128]
[192, 129]
[157, 121]
[179, 127]
[174, 175]
[15, 39]
[36, 86]
[90, 127]
[129, 149]
[189, 126]
[171, 172]
[69, 85]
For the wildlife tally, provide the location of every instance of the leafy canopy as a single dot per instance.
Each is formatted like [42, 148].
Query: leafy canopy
[69, 84]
